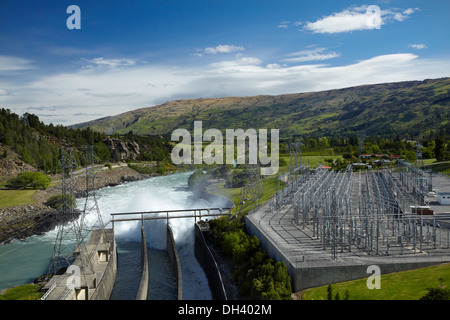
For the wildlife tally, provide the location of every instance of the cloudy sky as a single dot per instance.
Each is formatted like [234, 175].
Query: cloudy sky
[133, 54]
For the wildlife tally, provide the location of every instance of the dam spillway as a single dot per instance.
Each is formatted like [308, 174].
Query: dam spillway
[97, 265]
[172, 270]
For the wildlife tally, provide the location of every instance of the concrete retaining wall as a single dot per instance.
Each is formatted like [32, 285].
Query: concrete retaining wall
[95, 282]
[307, 276]
[174, 259]
[143, 286]
[206, 260]
[106, 283]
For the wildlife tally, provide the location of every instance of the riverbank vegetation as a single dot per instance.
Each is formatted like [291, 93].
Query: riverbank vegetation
[24, 292]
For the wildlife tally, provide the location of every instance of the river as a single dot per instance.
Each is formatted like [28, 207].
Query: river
[23, 261]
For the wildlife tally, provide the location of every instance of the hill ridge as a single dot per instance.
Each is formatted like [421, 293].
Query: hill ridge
[408, 107]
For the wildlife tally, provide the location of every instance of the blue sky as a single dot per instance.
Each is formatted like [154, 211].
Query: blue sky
[134, 54]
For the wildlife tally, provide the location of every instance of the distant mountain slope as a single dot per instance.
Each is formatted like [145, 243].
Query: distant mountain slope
[405, 108]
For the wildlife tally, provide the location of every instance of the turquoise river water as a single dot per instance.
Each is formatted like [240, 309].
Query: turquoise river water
[23, 261]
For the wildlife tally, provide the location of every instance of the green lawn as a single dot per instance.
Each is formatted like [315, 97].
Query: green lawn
[406, 285]
[25, 292]
[442, 167]
[232, 194]
[11, 198]
[312, 160]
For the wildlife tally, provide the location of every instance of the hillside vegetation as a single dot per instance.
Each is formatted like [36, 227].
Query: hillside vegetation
[28, 143]
[404, 108]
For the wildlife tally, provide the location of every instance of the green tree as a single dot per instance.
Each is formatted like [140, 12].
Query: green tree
[26, 179]
[437, 294]
[102, 151]
[271, 282]
[57, 202]
[330, 292]
[439, 149]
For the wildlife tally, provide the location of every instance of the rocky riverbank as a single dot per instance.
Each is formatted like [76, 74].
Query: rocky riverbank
[20, 222]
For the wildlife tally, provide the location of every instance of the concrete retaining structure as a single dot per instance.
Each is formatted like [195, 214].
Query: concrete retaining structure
[92, 274]
[175, 260]
[308, 277]
[305, 274]
[106, 282]
[209, 265]
[143, 286]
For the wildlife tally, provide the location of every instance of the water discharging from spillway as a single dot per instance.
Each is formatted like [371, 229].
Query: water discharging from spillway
[21, 262]
[157, 193]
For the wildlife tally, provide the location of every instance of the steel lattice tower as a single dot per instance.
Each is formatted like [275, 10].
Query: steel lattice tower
[62, 255]
[71, 236]
[252, 191]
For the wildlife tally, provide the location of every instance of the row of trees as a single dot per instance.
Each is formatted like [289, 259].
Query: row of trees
[435, 144]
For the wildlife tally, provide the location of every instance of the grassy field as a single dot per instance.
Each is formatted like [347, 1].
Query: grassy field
[25, 292]
[11, 198]
[443, 167]
[406, 285]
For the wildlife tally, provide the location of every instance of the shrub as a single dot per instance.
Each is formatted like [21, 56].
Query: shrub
[271, 282]
[142, 169]
[259, 276]
[239, 246]
[56, 202]
[26, 179]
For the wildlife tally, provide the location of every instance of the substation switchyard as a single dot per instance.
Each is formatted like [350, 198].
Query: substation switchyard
[330, 226]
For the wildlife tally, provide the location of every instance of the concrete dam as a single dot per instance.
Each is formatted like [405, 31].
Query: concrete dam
[92, 275]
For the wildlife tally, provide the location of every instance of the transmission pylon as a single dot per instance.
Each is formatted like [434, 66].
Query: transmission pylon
[361, 140]
[62, 255]
[419, 159]
[71, 236]
[295, 150]
[252, 191]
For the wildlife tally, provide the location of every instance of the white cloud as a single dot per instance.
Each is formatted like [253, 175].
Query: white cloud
[284, 24]
[223, 48]
[102, 63]
[273, 66]
[4, 92]
[287, 24]
[12, 64]
[357, 18]
[82, 96]
[317, 54]
[418, 46]
[239, 61]
[399, 15]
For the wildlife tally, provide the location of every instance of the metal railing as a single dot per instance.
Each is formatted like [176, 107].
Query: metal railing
[156, 215]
